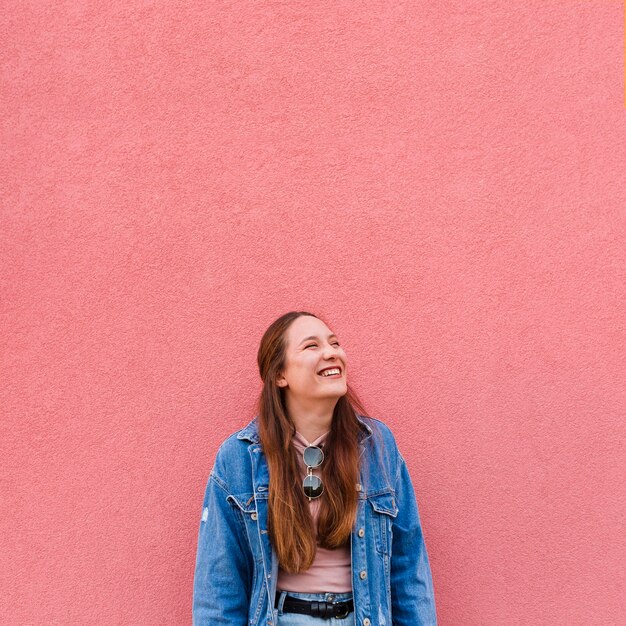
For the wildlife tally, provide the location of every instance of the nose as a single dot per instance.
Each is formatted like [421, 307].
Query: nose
[329, 352]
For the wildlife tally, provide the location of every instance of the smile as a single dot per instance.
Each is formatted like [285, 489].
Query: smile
[333, 372]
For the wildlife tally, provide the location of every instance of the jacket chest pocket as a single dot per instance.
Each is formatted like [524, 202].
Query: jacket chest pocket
[382, 512]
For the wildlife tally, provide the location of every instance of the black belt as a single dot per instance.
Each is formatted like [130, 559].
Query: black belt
[316, 608]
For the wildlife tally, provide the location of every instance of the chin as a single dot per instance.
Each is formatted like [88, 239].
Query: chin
[339, 393]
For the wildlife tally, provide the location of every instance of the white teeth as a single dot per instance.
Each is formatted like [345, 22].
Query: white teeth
[331, 372]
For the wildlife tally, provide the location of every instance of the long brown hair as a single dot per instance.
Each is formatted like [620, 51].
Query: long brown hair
[290, 525]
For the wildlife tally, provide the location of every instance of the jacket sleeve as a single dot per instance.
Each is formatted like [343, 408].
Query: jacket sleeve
[412, 593]
[223, 571]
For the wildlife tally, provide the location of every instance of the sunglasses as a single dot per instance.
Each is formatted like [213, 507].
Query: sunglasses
[312, 485]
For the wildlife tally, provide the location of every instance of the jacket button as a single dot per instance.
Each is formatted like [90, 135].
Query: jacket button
[254, 516]
[363, 574]
[366, 622]
[361, 532]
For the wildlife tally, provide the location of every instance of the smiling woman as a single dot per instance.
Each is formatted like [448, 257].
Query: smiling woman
[309, 512]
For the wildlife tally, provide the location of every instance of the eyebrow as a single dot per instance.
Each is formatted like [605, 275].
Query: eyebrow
[314, 337]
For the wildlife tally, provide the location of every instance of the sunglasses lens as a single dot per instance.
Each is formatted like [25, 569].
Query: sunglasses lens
[313, 456]
[313, 487]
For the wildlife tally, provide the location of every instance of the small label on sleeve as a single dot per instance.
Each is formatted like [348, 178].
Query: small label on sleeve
[205, 514]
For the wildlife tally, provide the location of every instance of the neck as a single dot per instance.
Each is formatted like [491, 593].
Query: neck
[312, 421]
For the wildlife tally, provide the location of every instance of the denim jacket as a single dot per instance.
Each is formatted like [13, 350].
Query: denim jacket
[237, 568]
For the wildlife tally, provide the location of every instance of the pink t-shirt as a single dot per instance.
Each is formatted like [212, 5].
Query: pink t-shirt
[331, 569]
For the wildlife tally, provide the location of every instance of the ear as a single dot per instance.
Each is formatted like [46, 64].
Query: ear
[281, 382]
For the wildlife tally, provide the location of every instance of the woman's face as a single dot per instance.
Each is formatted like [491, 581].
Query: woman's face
[311, 348]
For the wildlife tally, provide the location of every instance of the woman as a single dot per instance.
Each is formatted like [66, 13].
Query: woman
[309, 515]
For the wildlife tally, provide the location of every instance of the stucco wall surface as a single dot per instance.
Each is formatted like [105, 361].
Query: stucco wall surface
[444, 182]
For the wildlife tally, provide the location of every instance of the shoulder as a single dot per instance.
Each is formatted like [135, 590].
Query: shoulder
[381, 431]
[232, 448]
[381, 458]
[382, 443]
[232, 461]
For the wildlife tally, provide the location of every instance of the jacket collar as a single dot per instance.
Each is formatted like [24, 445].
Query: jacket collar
[251, 430]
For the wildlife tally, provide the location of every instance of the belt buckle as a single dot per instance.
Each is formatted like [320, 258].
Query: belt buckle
[344, 613]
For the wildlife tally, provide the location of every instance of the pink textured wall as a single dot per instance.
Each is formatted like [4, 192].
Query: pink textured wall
[445, 182]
